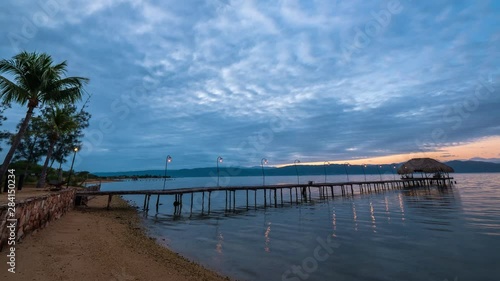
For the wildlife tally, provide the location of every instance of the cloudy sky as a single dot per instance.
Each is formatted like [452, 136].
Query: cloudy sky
[315, 80]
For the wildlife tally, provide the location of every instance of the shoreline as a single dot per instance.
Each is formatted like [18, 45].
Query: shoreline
[98, 244]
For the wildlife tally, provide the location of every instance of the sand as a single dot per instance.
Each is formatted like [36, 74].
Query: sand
[95, 244]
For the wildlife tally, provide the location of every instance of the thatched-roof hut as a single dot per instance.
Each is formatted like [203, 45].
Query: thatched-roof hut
[424, 165]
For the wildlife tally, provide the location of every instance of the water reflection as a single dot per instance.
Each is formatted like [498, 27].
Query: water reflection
[372, 215]
[354, 216]
[401, 207]
[414, 234]
[220, 239]
[436, 209]
[387, 213]
[267, 237]
[334, 222]
[480, 202]
[429, 199]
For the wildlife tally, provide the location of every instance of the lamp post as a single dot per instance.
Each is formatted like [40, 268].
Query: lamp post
[364, 173]
[168, 160]
[263, 162]
[346, 173]
[324, 165]
[394, 171]
[219, 160]
[72, 163]
[380, 174]
[297, 170]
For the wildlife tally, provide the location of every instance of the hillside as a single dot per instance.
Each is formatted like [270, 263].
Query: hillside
[458, 166]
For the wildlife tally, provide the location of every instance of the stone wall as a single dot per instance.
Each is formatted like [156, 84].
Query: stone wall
[35, 213]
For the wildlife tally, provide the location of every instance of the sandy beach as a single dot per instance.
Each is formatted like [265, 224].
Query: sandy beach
[95, 244]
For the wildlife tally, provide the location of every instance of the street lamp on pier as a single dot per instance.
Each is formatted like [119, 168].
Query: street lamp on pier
[326, 163]
[297, 170]
[346, 173]
[168, 160]
[72, 163]
[364, 173]
[379, 173]
[219, 160]
[263, 162]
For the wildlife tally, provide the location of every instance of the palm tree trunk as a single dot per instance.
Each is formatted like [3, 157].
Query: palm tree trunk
[43, 175]
[59, 173]
[15, 143]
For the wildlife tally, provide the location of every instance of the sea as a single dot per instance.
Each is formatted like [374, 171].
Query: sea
[433, 234]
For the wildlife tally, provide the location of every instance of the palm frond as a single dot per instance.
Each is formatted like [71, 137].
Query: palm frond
[16, 69]
[10, 92]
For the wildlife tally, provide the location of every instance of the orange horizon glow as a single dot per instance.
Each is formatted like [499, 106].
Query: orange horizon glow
[488, 147]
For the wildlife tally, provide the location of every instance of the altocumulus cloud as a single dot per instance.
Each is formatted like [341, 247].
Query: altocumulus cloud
[198, 79]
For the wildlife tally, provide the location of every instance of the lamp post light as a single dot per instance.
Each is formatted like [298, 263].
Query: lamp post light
[346, 173]
[168, 160]
[72, 163]
[364, 173]
[219, 160]
[394, 171]
[263, 162]
[380, 174]
[297, 170]
[325, 164]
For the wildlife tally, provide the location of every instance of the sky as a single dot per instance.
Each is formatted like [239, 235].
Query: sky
[315, 81]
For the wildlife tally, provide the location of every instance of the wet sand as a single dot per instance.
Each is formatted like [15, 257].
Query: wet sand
[95, 244]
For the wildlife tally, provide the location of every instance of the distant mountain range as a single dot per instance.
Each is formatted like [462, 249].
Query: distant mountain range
[492, 160]
[474, 166]
[458, 166]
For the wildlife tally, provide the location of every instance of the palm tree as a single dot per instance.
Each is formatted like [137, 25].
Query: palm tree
[36, 80]
[59, 121]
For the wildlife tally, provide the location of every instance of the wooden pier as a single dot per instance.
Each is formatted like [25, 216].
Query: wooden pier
[272, 195]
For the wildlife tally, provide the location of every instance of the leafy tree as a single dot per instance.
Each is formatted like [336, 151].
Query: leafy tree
[67, 142]
[36, 81]
[33, 144]
[58, 121]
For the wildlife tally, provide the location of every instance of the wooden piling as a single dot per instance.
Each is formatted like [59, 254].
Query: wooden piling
[265, 198]
[157, 203]
[275, 199]
[191, 209]
[209, 195]
[147, 204]
[109, 201]
[255, 198]
[203, 202]
[234, 199]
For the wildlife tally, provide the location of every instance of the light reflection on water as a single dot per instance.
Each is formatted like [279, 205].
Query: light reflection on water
[417, 234]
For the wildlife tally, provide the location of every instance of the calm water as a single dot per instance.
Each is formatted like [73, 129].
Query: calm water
[419, 234]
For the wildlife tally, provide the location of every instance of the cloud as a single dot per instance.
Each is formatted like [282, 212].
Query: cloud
[198, 80]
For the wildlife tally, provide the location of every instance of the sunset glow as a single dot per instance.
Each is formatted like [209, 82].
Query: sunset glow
[482, 148]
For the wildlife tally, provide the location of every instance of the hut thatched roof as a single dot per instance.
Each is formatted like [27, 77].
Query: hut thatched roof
[424, 165]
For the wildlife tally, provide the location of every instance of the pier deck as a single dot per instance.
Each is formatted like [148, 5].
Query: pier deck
[272, 195]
